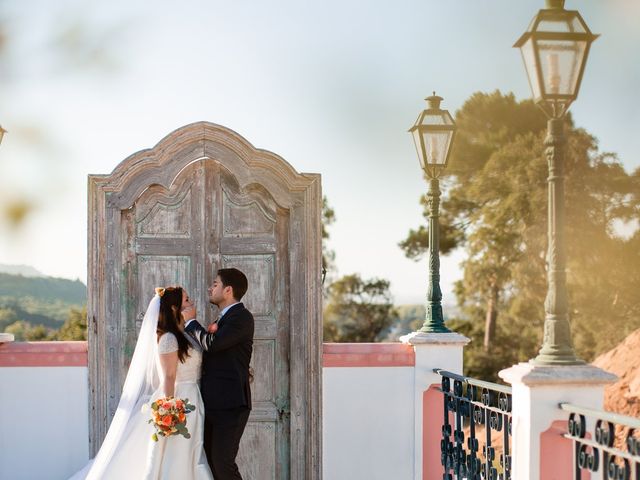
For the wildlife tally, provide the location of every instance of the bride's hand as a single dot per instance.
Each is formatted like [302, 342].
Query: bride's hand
[212, 328]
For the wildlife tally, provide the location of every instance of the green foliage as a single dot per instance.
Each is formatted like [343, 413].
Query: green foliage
[409, 319]
[75, 327]
[43, 288]
[7, 317]
[357, 310]
[495, 208]
[328, 218]
[24, 331]
[34, 308]
[35, 311]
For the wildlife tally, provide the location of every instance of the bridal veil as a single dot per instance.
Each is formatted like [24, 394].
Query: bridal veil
[141, 381]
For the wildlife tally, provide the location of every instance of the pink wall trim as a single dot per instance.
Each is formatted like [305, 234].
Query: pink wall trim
[74, 354]
[432, 411]
[368, 355]
[556, 454]
[43, 354]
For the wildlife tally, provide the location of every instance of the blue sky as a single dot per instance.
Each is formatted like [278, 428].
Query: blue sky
[331, 86]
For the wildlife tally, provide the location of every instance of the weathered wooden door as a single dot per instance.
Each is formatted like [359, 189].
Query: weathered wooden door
[204, 199]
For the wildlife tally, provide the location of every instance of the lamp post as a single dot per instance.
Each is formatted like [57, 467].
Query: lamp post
[555, 48]
[433, 135]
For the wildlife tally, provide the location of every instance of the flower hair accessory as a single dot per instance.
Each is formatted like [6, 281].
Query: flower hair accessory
[160, 291]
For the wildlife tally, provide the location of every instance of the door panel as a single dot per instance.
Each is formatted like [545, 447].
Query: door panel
[257, 456]
[260, 273]
[167, 221]
[246, 220]
[250, 243]
[263, 364]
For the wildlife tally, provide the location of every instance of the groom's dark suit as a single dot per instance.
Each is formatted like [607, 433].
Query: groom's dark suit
[225, 387]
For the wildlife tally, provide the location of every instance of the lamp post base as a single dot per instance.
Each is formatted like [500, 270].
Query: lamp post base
[550, 360]
[428, 328]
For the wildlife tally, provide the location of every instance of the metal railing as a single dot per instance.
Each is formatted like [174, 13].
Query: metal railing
[476, 429]
[599, 451]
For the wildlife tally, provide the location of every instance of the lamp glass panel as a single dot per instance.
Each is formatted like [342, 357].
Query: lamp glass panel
[561, 24]
[435, 118]
[436, 145]
[530, 63]
[561, 62]
[417, 140]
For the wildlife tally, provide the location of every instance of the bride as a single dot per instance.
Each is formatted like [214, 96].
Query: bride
[165, 363]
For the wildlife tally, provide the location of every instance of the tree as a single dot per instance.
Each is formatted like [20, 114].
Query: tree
[357, 310]
[7, 317]
[328, 255]
[486, 123]
[408, 318]
[75, 327]
[24, 331]
[495, 209]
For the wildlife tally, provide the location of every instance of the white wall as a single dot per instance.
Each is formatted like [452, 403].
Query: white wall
[44, 433]
[368, 423]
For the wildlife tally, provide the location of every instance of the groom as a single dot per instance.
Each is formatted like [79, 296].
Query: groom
[225, 371]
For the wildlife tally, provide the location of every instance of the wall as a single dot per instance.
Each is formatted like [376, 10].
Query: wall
[368, 411]
[43, 398]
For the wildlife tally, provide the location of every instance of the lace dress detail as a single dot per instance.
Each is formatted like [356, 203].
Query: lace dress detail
[168, 343]
[189, 371]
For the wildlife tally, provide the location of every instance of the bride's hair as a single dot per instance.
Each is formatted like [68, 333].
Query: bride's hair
[169, 318]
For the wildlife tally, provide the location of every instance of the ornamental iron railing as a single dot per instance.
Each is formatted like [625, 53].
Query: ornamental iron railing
[612, 448]
[476, 429]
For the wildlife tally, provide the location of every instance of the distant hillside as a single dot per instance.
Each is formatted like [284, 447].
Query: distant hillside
[34, 308]
[24, 270]
[46, 289]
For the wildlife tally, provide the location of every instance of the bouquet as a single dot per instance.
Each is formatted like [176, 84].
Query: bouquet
[169, 417]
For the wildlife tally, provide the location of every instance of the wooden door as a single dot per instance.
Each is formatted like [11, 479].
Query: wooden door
[178, 225]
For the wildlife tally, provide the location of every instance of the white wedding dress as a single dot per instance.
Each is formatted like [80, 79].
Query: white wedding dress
[128, 452]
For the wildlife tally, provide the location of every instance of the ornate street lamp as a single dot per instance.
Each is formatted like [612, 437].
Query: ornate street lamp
[2, 132]
[555, 50]
[433, 135]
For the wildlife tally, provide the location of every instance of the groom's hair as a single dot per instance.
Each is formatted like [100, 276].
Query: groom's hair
[234, 278]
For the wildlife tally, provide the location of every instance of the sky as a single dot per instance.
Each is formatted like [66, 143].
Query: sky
[330, 86]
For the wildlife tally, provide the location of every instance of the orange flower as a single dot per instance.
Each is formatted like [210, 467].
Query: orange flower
[181, 417]
[179, 404]
[166, 405]
[167, 420]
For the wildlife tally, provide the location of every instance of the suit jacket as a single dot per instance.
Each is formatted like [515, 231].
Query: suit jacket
[225, 361]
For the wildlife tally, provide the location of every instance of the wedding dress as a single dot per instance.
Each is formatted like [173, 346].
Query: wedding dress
[128, 452]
